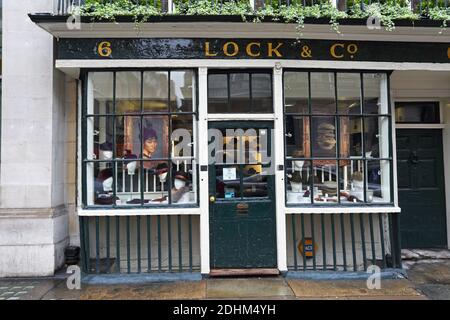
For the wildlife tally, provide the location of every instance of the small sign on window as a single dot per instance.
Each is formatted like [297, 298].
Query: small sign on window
[229, 174]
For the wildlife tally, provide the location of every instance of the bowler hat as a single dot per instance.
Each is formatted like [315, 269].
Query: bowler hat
[181, 175]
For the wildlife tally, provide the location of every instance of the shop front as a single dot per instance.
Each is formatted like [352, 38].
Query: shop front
[236, 154]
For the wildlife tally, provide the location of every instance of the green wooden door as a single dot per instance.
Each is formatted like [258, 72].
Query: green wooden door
[242, 207]
[421, 188]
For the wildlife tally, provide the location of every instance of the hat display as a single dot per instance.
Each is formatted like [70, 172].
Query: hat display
[106, 146]
[326, 137]
[181, 175]
[161, 168]
[149, 133]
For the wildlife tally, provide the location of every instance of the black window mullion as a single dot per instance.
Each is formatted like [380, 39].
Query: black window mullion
[114, 141]
[250, 78]
[84, 139]
[311, 176]
[363, 138]
[141, 121]
[169, 141]
[338, 138]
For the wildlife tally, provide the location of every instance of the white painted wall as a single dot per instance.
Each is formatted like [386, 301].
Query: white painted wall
[429, 86]
[33, 220]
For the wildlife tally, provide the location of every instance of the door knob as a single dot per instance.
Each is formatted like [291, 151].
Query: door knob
[212, 199]
[414, 158]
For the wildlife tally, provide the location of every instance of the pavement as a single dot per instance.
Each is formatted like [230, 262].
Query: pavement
[427, 278]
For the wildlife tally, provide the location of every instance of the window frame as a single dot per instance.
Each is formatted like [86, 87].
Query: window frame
[337, 116]
[436, 105]
[84, 77]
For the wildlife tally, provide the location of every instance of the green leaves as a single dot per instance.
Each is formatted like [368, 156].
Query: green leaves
[386, 12]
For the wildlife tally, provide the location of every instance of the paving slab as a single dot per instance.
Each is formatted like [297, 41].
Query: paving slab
[352, 288]
[430, 272]
[155, 291]
[435, 291]
[26, 289]
[247, 288]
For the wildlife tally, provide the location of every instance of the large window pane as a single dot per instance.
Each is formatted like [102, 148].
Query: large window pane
[128, 92]
[324, 179]
[323, 136]
[351, 178]
[376, 137]
[296, 92]
[351, 137]
[297, 136]
[101, 85]
[378, 181]
[127, 139]
[262, 93]
[373, 99]
[240, 93]
[99, 189]
[349, 93]
[182, 91]
[323, 93]
[156, 91]
[100, 133]
[298, 173]
[217, 93]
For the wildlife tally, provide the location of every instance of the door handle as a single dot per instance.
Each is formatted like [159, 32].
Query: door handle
[414, 158]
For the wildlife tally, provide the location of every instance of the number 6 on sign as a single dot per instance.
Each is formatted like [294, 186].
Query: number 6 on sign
[104, 49]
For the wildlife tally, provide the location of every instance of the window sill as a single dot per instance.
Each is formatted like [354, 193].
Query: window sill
[157, 211]
[343, 209]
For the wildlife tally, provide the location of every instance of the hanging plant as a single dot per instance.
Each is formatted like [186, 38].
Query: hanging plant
[386, 12]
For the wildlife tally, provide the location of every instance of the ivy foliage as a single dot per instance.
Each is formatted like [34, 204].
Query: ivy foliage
[386, 12]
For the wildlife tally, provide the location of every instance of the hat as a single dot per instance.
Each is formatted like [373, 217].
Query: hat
[161, 168]
[296, 177]
[105, 174]
[181, 175]
[129, 155]
[106, 146]
[149, 133]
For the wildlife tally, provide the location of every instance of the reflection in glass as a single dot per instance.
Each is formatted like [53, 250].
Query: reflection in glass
[100, 183]
[254, 183]
[351, 137]
[323, 137]
[417, 112]
[297, 136]
[228, 184]
[156, 91]
[217, 93]
[298, 174]
[352, 174]
[182, 91]
[378, 180]
[296, 92]
[240, 93]
[324, 179]
[349, 93]
[372, 92]
[128, 92]
[261, 93]
[322, 93]
[102, 90]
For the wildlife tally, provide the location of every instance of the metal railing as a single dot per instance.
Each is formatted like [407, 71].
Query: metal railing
[343, 242]
[140, 244]
[65, 7]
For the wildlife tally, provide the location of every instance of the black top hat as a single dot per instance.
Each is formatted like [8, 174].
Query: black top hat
[161, 168]
[106, 146]
[181, 175]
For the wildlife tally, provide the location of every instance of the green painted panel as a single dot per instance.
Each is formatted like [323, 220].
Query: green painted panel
[421, 188]
[242, 238]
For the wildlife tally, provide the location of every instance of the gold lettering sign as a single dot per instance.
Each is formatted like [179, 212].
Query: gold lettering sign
[448, 52]
[104, 49]
[207, 53]
[249, 51]
[333, 51]
[271, 50]
[226, 48]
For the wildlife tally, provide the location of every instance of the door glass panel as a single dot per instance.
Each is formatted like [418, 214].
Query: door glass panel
[228, 182]
[261, 93]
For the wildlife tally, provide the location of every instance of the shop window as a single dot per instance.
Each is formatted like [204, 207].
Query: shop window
[138, 146]
[417, 112]
[240, 92]
[337, 138]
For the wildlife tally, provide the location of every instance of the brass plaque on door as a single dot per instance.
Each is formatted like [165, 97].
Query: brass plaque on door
[242, 208]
